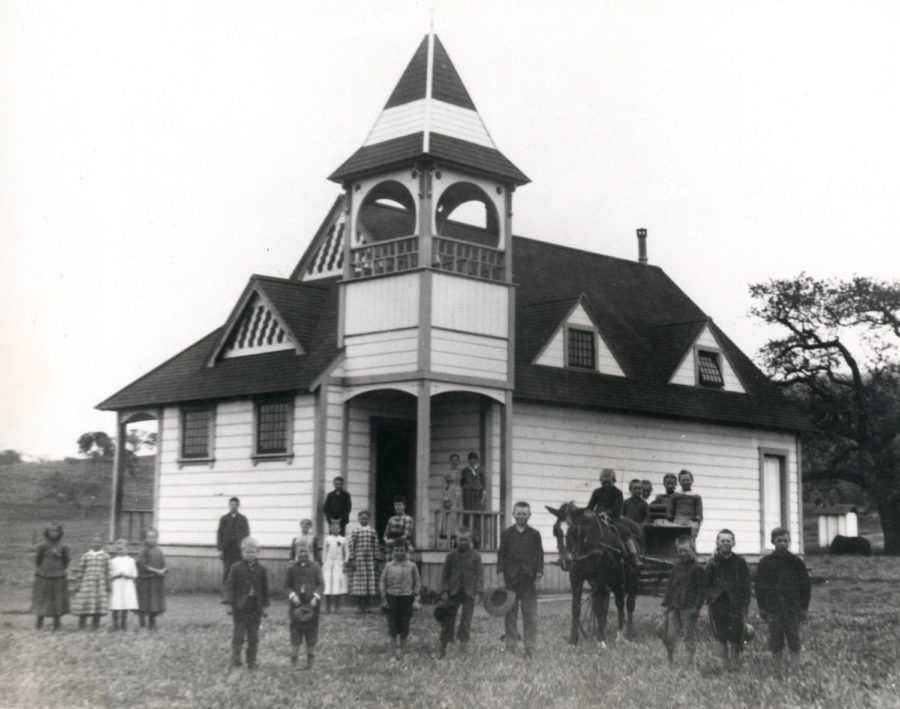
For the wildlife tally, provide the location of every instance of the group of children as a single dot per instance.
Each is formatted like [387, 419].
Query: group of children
[104, 583]
[782, 594]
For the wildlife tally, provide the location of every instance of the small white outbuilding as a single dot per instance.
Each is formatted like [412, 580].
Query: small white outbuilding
[835, 520]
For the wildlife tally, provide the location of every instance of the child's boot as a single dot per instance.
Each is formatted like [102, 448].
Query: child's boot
[295, 652]
[402, 650]
[123, 620]
[56, 622]
[394, 651]
[152, 621]
[670, 654]
[142, 619]
[82, 619]
[337, 604]
[310, 659]
[251, 657]
[235, 655]
[442, 651]
[795, 662]
[463, 647]
[95, 622]
[39, 623]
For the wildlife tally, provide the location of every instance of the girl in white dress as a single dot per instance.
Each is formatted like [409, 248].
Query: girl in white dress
[123, 594]
[334, 557]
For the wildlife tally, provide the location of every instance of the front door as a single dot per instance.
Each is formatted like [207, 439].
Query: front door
[395, 464]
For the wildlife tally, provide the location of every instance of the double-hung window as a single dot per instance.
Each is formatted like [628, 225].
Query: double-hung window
[709, 369]
[274, 423]
[197, 433]
[582, 349]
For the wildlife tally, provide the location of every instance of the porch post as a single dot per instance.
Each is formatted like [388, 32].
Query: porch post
[116, 495]
[506, 445]
[423, 462]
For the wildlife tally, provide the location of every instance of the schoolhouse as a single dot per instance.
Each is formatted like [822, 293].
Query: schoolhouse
[404, 335]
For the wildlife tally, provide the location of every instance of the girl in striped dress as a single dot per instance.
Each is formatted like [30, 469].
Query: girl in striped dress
[334, 557]
[363, 552]
[92, 598]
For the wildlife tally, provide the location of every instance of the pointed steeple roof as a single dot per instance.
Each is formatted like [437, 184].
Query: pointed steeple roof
[430, 113]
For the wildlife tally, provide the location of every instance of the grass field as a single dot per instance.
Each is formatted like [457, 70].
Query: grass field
[852, 656]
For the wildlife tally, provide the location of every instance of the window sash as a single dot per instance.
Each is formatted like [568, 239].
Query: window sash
[196, 425]
[582, 350]
[709, 369]
[273, 420]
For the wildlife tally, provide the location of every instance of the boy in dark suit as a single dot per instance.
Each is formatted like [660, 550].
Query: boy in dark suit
[305, 588]
[247, 595]
[462, 584]
[520, 562]
[233, 528]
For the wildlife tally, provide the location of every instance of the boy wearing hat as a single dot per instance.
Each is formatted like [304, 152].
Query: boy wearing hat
[462, 584]
[520, 563]
[783, 592]
[305, 586]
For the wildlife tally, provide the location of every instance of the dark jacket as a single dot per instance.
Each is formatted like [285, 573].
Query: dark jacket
[471, 478]
[685, 589]
[607, 499]
[636, 509]
[305, 580]
[232, 529]
[242, 577]
[521, 554]
[338, 505]
[462, 572]
[782, 584]
[728, 582]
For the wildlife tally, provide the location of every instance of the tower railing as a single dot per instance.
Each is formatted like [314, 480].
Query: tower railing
[453, 255]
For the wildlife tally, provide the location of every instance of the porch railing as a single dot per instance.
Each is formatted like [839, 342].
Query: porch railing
[451, 255]
[485, 528]
[468, 259]
[133, 523]
[385, 257]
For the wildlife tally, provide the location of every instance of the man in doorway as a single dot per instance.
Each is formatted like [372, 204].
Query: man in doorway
[233, 528]
[338, 505]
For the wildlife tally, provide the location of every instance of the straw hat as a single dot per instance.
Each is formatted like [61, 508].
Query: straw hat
[498, 601]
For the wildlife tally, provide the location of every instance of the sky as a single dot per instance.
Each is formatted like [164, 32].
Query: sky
[154, 154]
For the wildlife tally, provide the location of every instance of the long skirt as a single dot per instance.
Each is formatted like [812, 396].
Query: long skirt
[50, 596]
[151, 593]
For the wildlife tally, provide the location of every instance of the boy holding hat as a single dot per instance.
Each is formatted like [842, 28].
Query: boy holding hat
[462, 584]
[305, 587]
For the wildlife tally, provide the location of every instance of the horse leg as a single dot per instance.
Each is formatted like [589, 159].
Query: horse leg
[576, 583]
[601, 611]
[619, 592]
[630, 598]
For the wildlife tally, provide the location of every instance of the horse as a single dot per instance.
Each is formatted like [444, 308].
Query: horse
[592, 550]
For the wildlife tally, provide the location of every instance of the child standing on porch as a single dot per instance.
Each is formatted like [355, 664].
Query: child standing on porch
[334, 558]
[123, 596]
[151, 590]
[92, 597]
[363, 550]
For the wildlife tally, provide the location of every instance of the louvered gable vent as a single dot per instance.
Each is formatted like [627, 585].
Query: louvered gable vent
[257, 330]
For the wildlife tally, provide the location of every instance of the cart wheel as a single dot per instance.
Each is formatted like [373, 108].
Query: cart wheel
[588, 621]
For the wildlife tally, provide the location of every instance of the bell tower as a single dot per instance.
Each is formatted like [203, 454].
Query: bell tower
[427, 301]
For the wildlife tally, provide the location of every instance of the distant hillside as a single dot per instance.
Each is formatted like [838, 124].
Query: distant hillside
[74, 492]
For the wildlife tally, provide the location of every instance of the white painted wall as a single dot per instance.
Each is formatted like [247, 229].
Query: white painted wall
[469, 355]
[378, 304]
[381, 353]
[274, 494]
[558, 453]
[687, 370]
[470, 305]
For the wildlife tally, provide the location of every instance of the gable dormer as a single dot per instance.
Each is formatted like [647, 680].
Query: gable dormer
[263, 320]
[579, 343]
[705, 364]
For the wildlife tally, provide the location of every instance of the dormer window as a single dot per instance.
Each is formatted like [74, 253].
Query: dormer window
[582, 350]
[709, 369]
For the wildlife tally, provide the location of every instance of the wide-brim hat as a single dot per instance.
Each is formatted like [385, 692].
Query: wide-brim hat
[442, 611]
[302, 615]
[498, 601]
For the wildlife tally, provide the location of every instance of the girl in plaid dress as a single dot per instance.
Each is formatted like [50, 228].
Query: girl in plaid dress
[363, 554]
[92, 598]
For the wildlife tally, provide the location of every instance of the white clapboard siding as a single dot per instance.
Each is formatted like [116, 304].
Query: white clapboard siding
[381, 353]
[469, 305]
[687, 370]
[274, 494]
[553, 354]
[379, 304]
[469, 355]
[558, 453]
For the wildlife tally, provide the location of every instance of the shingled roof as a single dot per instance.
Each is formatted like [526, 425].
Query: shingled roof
[646, 319]
[429, 114]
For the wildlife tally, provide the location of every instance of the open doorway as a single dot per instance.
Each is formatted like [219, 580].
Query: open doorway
[395, 456]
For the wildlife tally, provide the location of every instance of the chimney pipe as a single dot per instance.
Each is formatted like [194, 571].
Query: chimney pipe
[642, 246]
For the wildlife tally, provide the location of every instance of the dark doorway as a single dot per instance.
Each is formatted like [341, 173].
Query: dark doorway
[395, 456]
